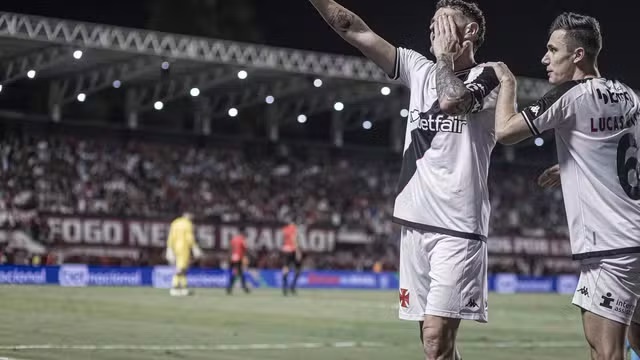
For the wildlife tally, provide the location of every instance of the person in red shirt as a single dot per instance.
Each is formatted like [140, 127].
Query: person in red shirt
[238, 250]
[292, 256]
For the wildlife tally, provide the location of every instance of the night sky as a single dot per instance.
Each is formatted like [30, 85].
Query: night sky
[516, 32]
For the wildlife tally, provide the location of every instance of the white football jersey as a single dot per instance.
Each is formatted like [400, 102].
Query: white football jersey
[595, 122]
[443, 181]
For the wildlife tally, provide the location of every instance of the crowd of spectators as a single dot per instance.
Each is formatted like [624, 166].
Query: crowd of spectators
[66, 174]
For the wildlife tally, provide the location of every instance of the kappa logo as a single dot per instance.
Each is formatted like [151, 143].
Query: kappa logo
[584, 291]
[472, 303]
[535, 110]
[404, 298]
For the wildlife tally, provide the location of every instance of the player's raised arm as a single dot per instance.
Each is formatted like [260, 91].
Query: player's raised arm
[354, 30]
[511, 126]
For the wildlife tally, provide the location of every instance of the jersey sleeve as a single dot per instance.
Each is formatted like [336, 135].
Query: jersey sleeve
[408, 63]
[483, 84]
[552, 110]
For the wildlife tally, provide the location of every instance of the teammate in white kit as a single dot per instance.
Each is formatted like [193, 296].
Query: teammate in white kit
[443, 201]
[596, 129]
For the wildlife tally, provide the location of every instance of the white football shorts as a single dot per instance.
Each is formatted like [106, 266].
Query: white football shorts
[610, 287]
[442, 275]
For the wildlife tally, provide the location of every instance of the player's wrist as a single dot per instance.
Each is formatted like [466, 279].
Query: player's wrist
[507, 81]
[446, 58]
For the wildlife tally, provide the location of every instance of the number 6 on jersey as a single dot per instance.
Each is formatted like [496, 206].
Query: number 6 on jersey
[628, 169]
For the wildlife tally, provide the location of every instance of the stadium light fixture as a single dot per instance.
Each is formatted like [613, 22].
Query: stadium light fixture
[385, 90]
[269, 99]
[194, 92]
[77, 54]
[82, 97]
[242, 74]
[404, 113]
[338, 106]
[367, 124]
[158, 105]
[302, 118]
[165, 65]
[539, 141]
[317, 83]
[116, 84]
[233, 112]
[31, 74]
[0, 88]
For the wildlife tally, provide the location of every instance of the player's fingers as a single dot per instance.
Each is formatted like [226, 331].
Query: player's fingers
[435, 27]
[542, 181]
[441, 26]
[451, 26]
[543, 178]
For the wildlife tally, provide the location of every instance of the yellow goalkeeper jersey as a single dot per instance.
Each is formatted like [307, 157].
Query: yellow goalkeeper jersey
[181, 239]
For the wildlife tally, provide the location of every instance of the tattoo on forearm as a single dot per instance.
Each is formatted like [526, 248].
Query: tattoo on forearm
[344, 20]
[448, 85]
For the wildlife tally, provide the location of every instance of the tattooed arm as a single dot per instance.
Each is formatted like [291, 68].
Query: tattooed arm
[453, 95]
[351, 28]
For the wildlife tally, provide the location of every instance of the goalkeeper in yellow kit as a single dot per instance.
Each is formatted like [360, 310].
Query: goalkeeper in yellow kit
[180, 245]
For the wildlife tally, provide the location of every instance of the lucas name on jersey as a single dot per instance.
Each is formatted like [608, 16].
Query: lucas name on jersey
[612, 123]
[427, 121]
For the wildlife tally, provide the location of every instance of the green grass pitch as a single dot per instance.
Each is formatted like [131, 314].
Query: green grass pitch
[56, 323]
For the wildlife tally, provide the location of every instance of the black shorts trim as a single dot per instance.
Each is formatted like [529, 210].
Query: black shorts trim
[439, 230]
[606, 253]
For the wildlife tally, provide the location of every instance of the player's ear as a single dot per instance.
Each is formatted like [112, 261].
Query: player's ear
[578, 55]
[471, 31]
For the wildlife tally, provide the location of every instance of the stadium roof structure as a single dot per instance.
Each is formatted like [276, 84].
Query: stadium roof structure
[209, 68]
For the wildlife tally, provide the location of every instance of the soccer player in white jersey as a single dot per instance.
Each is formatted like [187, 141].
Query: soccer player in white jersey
[596, 129]
[442, 201]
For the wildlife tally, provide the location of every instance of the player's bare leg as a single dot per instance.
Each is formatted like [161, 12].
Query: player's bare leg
[438, 336]
[605, 337]
[457, 354]
[633, 335]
